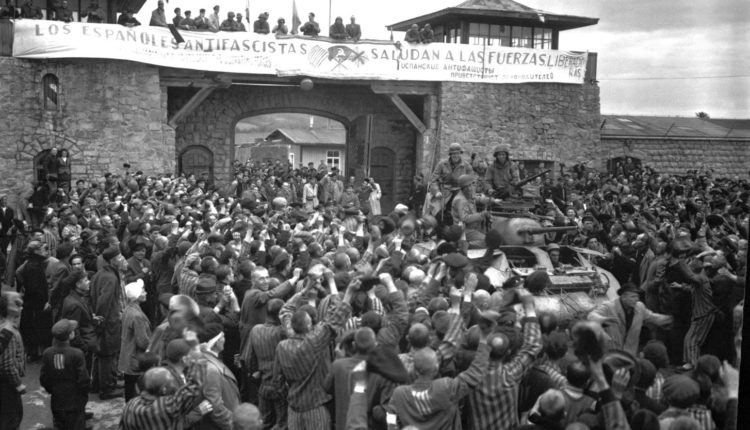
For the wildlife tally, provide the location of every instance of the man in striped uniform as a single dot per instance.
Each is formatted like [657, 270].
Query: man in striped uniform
[494, 401]
[12, 361]
[301, 361]
[162, 405]
[259, 360]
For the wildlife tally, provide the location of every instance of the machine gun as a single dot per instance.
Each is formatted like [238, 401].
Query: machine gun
[531, 178]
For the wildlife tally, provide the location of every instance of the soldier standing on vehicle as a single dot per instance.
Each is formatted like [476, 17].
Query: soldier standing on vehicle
[502, 176]
[447, 172]
[464, 212]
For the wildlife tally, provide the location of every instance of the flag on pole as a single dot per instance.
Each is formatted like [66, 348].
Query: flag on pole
[295, 18]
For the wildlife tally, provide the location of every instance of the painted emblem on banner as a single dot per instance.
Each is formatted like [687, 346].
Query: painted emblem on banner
[339, 57]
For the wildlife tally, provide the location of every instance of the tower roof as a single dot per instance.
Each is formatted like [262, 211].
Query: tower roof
[506, 12]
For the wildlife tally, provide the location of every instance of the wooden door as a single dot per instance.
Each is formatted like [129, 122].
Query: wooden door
[197, 160]
[382, 169]
[358, 147]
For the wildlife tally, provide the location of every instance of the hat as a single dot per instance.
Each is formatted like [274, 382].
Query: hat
[455, 147]
[34, 245]
[648, 374]
[456, 260]
[453, 233]
[87, 234]
[465, 180]
[110, 253]
[538, 281]
[62, 329]
[206, 285]
[681, 391]
[386, 224]
[628, 287]
[134, 289]
[401, 209]
[588, 340]
[176, 349]
[386, 363]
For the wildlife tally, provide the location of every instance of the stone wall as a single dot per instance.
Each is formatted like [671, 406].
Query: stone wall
[108, 113]
[550, 122]
[675, 155]
[213, 123]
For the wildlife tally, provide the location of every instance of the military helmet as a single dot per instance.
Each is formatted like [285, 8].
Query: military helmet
[455, 147]
[502, 148]
[465, 180]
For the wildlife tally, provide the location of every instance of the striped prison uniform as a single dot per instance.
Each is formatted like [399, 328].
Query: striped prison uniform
[165, 412]
[434, 404]
[302, 362]
[654, 391]
[261, 351]
[494, 402]
[187, 282]
[701, 414]
[703, 316]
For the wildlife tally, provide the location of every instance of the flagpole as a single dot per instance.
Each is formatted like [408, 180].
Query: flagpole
[329, 13]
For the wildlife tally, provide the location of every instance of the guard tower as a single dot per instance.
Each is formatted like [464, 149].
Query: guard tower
[497, 23]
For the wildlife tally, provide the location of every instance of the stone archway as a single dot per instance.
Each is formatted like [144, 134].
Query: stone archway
[212, 123]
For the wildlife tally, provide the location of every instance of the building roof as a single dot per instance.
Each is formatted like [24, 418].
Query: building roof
[497, 11]
[314, 136]
[667, 126]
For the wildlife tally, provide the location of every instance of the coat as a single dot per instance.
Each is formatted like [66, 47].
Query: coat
[106, 299]
[136, 333]
[618, 337]
[220, 389]
[77, 308]
[64, 376]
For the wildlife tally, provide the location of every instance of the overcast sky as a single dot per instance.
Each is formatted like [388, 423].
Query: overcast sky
[656, 57]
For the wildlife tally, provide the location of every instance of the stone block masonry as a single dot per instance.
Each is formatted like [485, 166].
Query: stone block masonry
[108, 113]
[549, 122]
[674, 156]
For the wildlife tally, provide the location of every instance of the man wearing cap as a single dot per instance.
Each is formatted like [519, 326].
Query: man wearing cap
[446, 174]
[260, 26]
[158, 17]
[464, 212]
[502, 175]
[76, 307]
[136, 332]
[214, 20]
[106, 299]
[201, 21]
[623, 319]
[64, 376]
[280, 29]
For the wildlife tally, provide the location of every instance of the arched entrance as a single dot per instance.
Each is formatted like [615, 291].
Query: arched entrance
[63, 175]
[382, 169]
[197, 160]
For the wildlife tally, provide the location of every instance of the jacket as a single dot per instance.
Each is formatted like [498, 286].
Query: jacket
[106, 294]
[220, 389]
[464, 211]
[77, 308]
[619, 338]
[135, 338]
[64, 376]
[502, 175]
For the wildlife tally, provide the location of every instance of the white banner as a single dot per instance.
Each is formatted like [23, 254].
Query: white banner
[240, 52]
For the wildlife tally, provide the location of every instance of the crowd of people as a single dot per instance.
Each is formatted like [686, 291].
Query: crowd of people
[286, 299]
[60, 11]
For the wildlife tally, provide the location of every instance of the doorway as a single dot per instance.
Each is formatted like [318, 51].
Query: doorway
[382, 169]
[199, 161]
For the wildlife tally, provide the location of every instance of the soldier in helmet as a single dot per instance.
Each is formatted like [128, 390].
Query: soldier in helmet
[502, 175]
[448, 171]
[464, 212]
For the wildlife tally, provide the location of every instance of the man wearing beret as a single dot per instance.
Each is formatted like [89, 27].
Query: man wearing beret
[64, 376]
[106, 300]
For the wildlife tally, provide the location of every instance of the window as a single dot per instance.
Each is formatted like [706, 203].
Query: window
[490, 34]
[521, 37]
[333, 158]
[542, 38]
[50, 88]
